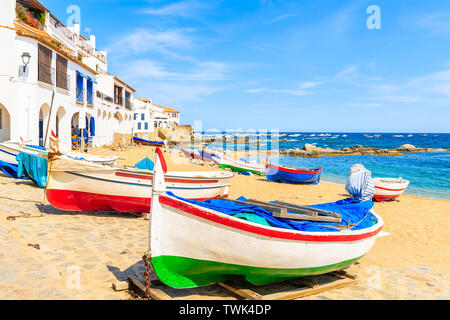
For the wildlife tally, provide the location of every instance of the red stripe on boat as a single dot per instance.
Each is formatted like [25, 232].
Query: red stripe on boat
[280, 234]
[387, 189]
[145, 177]
[295, 171]
[70, 200]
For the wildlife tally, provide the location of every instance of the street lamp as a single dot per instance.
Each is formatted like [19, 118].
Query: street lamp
[26, 60]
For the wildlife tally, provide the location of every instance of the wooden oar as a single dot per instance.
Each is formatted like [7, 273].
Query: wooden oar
[302, 213]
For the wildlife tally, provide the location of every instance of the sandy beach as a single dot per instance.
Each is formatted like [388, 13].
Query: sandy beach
[50, 254]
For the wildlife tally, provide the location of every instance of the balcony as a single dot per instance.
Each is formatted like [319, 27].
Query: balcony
[62, 29]
[30, 16]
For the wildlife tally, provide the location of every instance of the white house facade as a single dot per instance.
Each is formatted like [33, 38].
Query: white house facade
[52, 78]
[149, 116]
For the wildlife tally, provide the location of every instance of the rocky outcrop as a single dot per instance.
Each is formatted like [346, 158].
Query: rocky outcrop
[310, 150]
[177, 135]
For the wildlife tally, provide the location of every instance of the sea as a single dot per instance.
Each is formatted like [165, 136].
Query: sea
[428, 173]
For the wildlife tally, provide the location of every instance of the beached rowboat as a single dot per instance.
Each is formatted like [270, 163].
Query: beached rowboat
[293, 175]
[148, 142]
[9, 152]
[191, 153]
[83, 186]
[387, 189]
[193, 246]
[241, 166]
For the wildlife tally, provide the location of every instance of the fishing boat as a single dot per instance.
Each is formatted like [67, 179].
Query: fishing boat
[148, 142]
[387, 189]
[10, 150]
[293, 175]
[78, 185]
[191, 153]
[196, 244]
[241, 166]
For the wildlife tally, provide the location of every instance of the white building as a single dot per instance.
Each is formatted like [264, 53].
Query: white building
[149, 116]
[52, 78]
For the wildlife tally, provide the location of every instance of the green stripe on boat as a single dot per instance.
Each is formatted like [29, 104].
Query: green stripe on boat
[238, 169]
[182, 273]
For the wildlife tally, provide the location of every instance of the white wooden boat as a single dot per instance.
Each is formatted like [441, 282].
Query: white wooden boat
[10, 150]
[78, 185]
[241, 166]
[387, 189]
[194, 246]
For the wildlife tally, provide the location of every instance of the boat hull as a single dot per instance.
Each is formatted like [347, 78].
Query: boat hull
[8, 154]
[148, 142]
[193, 246]
[123, 190]
[283, 175]
[239, 166]
[389, 189]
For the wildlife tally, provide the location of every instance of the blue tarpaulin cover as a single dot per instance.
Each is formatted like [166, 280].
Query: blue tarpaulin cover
[9, 169]
[34, 167]
[355, 211]
[145, 164]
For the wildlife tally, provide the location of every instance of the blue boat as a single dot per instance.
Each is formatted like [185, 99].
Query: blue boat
[148, 142]
[293, 176]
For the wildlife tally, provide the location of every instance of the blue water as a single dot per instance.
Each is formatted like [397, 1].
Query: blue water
[428, 173]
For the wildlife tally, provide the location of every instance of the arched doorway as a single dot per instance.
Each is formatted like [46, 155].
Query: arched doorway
[5, 124]
[44, 114]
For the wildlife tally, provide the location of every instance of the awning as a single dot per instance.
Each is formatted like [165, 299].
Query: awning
[86, 77]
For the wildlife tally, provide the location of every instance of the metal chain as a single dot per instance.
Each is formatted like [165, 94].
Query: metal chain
[147, 274]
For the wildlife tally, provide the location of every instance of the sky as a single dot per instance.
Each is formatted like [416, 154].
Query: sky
[291, 65]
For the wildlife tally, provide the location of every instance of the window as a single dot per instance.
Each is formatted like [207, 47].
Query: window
[135, 116]
[80, 88]
[127, 99]
[61, 73]
[90, 95]
[45, 64]
[142, 116]
[118, 99]
[156, 124]
[146, 125]
[139, 126]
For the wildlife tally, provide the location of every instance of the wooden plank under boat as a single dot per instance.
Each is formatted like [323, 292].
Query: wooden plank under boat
[77, 185]
[293, 175]
[387, 189]
[194, 246]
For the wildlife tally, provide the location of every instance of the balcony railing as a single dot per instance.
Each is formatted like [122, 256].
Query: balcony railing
[104, 97]
[61, 28]
[86, 46]
[51, 76]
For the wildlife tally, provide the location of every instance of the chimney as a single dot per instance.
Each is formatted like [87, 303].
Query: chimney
[76, 28]
[92, 41]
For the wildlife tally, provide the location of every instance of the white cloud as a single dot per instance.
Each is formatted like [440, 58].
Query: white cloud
[142, 40]
[281, 17]
[188, 8]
